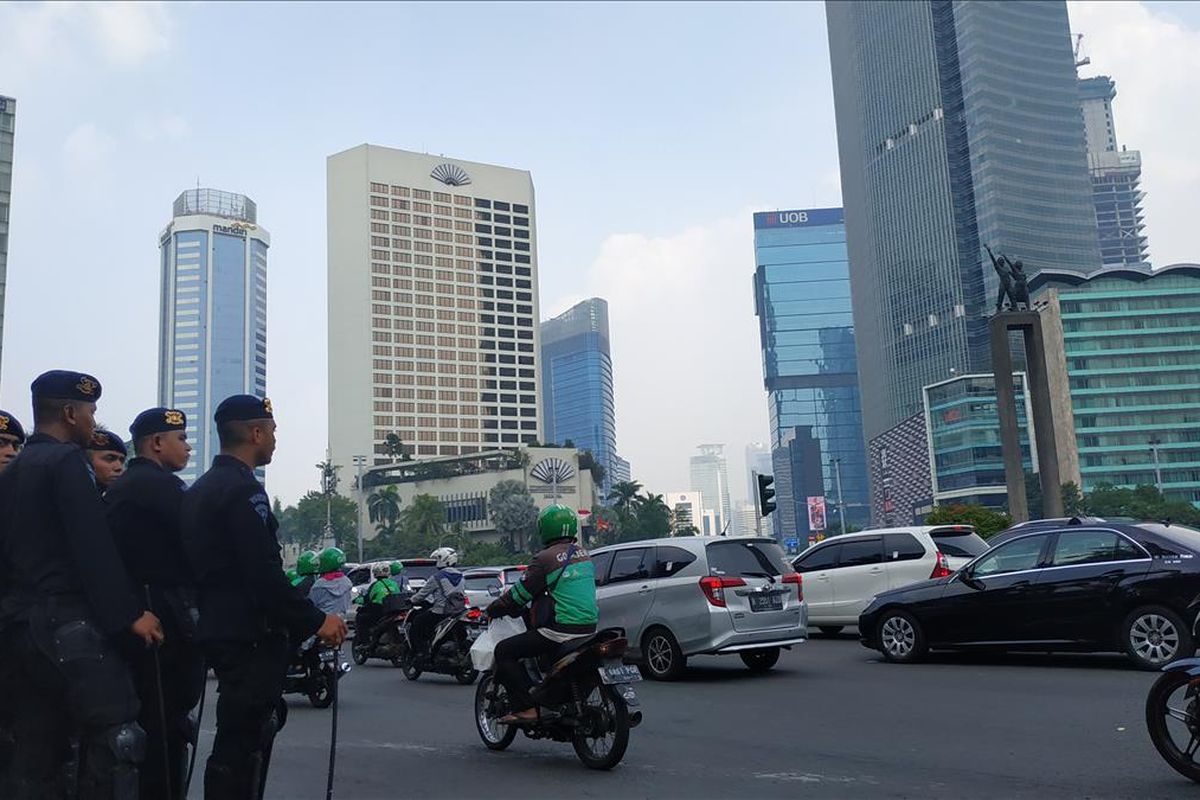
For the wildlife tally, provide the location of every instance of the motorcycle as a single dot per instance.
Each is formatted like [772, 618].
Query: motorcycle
[449, 651]
[313, 671]
[584, 696]
[1173, 717]
[384, 638]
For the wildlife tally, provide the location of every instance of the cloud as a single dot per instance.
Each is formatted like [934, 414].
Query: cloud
[166, 127]
[87, 148]
[685, 346]
[1150, 56]
[130, 32]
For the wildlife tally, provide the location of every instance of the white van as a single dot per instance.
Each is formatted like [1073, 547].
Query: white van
[843, 573]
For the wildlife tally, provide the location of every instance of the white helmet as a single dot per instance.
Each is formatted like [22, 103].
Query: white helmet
[381, 570]
[445, 557]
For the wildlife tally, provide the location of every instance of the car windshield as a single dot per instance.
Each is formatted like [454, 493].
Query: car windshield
[748, 558]
[958, 542]
[482, 583]
[1185, 538]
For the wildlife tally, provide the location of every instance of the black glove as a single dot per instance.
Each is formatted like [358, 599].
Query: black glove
[495, 609]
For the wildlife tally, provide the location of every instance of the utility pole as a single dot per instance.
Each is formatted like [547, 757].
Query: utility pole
[837, 474]
[360, 462]
[757, 507]
[1154, 443]
[325, 489]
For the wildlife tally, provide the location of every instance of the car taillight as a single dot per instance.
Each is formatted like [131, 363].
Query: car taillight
[941, 569]
[474, 614]
[714, 588]
[797, 579]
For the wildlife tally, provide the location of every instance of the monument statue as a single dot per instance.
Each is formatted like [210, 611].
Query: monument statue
[1013, 282]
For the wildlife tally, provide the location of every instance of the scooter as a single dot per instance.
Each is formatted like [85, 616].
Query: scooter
[384, 638]
[449, 652]
[313, 672]
[584, 696]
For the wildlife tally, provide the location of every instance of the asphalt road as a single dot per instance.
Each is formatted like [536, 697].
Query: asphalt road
[832, 720]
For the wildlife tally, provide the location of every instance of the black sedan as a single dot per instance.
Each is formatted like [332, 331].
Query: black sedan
[1126, 587]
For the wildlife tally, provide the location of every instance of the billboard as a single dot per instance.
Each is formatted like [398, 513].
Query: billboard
[799, 218]
[816, 513]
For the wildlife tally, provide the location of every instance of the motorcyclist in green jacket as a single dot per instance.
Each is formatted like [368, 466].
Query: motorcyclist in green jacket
[307, 569]
[561, 586]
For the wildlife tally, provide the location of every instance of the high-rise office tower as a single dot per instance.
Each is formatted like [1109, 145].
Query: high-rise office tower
[758, 460]
[577, 383]
[710, 477]
[433, 305]
[959, 125]
[213, 312]
[8, 120]
[1116, 179]
[802, 299]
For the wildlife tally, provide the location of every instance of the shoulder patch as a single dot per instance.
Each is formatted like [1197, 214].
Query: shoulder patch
[261, 505]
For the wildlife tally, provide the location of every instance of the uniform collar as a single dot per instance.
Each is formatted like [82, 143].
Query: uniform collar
[222, 460]
[37, 437]
[146, 463]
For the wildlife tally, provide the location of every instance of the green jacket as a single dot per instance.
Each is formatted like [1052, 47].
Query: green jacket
[563, 593]
[381, 588]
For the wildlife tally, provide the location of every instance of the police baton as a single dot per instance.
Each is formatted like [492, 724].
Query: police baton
[162, 706]
[337, 678]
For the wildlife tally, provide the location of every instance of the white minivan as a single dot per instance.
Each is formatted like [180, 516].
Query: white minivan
[843, 573]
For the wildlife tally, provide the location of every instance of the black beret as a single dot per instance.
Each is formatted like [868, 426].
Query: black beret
[107, 441]
[10, 426]
[157, 420]
[63, 384]
[242, 407]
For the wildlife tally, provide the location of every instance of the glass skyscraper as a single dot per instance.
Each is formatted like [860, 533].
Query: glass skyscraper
[802, 299]
[1132, 340]
[709, 474]
[8, 118]
[213, 323]
[577, 384]
[959, 125]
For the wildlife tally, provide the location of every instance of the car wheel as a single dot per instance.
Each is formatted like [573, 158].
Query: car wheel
[760, 660]
[662, 659]
[901, 638]
[1154, 636]
[831, 630]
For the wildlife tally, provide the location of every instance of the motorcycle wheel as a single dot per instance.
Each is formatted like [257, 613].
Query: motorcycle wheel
[609, 718]
[322, 695]
[360, 653]
[405, 662]
[1162, 719]
[494, 735]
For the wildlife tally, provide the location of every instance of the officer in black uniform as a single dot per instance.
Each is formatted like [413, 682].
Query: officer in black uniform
[248, 609]
[144, 505]
[106, 453]
[12, 438]
[69, 598]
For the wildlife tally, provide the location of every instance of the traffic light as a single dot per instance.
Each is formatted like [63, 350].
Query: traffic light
[766, 495]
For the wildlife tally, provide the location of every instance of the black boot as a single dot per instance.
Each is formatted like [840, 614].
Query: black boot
[222, 782]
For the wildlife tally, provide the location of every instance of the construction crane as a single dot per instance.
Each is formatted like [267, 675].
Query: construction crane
[1080, 62]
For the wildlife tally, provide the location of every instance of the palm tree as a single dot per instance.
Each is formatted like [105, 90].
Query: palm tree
[651, 504]
[394, 447]
[624, 494]
[383, 505]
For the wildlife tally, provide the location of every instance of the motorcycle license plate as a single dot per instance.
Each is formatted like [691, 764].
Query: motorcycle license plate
[620, 673]
[766, 602]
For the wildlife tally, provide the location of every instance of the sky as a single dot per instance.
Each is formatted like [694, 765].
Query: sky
[652, 131]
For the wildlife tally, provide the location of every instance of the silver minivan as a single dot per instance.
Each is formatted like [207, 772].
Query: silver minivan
[693, 595]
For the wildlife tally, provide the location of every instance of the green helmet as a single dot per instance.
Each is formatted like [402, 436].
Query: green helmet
[291, 575]
[332, 559]
[557, 522]
[396, 567]
[307, 563]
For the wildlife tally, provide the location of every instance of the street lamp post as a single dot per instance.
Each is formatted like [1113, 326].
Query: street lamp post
[837, 474]
[1154, 443]
[360, 462]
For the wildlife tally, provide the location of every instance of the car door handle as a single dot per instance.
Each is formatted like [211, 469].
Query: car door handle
[877, 571]
[822, 577]
[644, 590]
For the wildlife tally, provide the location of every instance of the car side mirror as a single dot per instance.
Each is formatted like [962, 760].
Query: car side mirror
[971, 581]
[643, 573]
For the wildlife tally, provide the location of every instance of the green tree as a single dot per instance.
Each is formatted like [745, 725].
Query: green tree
[383, 505]
[653, 517]
[1140, 502]
[588, 461]
[985, 521]
[304, 523]
[423, 524]
[395, 449]
[623, 494]
[1074, 503]
[513, 512]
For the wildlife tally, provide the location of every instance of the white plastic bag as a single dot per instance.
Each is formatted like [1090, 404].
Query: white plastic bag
[483, 652]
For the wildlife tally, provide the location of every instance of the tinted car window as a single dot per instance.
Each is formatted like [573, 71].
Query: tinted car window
[513, 575]
[670, 560]
[959, 543]
[601, 562]
[822, 557]
[359, 575]
[481, 583]
[1020, 554]
[747, 558]
[1092, 547]
[860, 552]
[1178, 539]
[630, 565]
[902, 547]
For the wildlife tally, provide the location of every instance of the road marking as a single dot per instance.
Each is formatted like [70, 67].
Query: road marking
[810, 777]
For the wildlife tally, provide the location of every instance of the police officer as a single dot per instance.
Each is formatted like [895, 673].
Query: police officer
[143, 512]
[69, 598]
[12, 437]
[107, 454]
[247, 608]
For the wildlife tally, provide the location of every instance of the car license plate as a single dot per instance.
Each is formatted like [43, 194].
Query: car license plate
[766, 602]
[620, 673]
